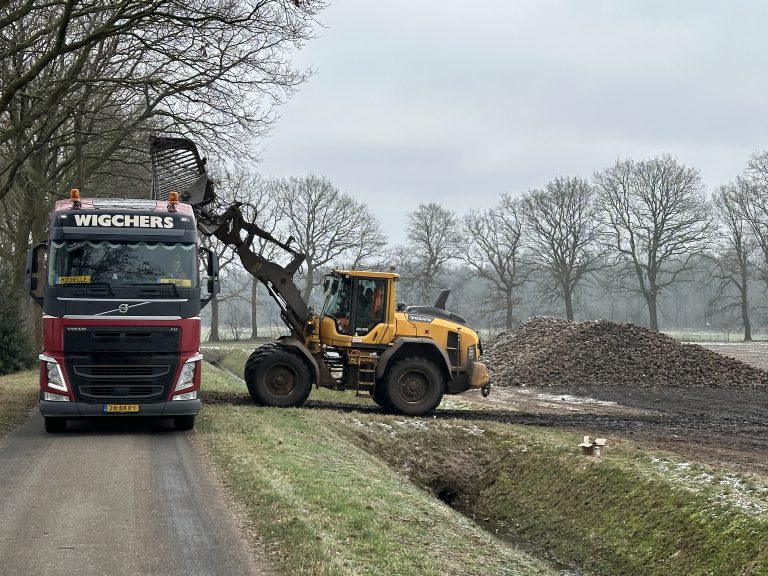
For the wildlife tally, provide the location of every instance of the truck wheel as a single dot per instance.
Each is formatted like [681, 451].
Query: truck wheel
[186, 422]
[276, 376]
[413, 386]
[55, 425]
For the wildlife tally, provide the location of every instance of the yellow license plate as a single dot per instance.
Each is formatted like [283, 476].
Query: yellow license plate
[121, 408]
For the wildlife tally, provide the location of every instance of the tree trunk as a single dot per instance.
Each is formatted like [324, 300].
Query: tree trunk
[745, 311]
[568, 305]
[254, 321]
[508, 304]
[652, 313]
[213, 336]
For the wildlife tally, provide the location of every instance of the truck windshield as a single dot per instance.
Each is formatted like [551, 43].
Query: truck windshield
[122, 263]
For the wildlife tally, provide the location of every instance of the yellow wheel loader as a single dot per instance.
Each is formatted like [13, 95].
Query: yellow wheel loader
[406, 359]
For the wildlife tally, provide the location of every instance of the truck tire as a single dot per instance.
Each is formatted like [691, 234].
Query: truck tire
[413, 386]
[55, 425]
[275, 376]
[186, 422]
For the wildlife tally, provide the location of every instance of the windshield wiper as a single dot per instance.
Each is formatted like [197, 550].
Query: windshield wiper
[100, 285]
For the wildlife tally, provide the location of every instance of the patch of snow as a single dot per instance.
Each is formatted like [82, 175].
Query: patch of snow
[570, 399]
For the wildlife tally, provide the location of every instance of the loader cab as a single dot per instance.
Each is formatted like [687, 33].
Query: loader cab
[358, 308]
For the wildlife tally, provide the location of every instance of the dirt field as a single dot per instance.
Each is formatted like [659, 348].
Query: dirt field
[727, 427]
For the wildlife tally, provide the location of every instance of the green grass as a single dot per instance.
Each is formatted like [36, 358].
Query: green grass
[325, 506]
[18, 394]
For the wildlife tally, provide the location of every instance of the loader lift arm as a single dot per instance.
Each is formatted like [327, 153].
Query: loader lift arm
[177, 166]
[228, 227]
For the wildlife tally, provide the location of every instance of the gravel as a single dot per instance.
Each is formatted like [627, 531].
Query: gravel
[545, 351]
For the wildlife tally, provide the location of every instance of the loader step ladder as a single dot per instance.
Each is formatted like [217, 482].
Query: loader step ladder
[453, 349]
[365, 378]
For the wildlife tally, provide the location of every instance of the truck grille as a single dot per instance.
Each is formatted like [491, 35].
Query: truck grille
[110, 392]
[105, 363]
[121, 372]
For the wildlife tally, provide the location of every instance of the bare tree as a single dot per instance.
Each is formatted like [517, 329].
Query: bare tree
[328, 225]
[266, 209]
[229, 191]
[753, 205]
[212, 69]
[492, 248]
[657, 221]
[736, 247]
[562, 225]
[432, 236]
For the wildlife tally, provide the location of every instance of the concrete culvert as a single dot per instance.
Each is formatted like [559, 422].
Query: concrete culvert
[446, 494]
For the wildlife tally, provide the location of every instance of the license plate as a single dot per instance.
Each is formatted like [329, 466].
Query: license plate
[111, 408]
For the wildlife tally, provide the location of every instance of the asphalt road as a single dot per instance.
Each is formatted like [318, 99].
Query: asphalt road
[112, 499]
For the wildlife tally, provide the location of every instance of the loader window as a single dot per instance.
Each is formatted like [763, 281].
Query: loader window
[371, 304]
[337, 299]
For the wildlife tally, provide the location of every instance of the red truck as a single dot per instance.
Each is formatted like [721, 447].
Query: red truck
[121, 298]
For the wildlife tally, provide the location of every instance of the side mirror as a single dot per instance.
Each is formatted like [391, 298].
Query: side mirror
[211, 260]
[31, 271]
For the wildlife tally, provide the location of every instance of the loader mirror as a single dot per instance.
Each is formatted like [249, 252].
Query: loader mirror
[325, 285]
[334, 287]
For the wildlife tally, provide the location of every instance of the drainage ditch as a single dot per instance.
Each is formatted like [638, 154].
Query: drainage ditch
[502, 531]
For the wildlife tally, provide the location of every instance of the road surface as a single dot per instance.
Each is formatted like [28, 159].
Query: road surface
[112, 499]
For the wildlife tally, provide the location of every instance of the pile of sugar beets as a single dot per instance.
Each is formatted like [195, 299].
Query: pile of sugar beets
[545, 351]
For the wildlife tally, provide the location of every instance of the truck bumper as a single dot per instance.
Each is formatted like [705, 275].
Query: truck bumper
[83, 410]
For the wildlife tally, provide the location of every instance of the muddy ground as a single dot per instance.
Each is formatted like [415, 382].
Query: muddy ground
[726, 427]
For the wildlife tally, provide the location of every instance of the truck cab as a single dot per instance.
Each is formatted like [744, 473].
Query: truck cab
[120, 288]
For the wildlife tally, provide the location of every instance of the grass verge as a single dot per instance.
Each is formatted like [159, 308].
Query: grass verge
[325, 506]
[18, 394]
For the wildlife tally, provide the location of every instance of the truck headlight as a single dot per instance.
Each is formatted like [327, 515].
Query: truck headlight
[55, 379]
[188, 371]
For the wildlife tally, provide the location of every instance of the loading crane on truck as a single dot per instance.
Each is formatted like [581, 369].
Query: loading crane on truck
[405, 359]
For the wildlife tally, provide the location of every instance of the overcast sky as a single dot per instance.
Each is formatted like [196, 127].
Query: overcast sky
[457, 102]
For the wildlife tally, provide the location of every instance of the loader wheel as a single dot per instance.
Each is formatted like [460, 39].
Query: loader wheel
[275, 376]
[381, 397]
[413, 386]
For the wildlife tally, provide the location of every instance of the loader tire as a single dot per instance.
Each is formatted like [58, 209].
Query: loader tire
[381, 397]
[275, 376]
[413, 386]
